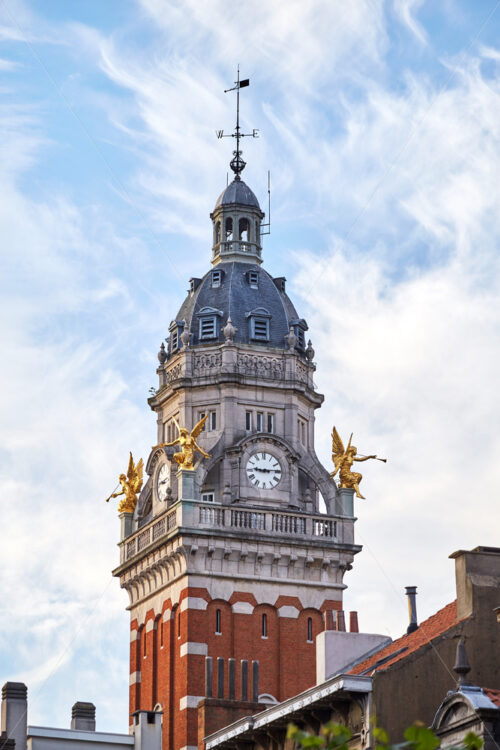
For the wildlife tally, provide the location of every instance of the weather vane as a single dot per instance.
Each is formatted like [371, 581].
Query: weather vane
[237, 164]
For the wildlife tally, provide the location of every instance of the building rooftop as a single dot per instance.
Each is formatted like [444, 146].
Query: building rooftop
[399, 649]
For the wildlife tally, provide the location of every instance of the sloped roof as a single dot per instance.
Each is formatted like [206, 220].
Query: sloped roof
[429, 629]
[493, 695]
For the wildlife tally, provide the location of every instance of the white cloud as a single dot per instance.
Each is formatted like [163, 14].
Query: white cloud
[405, 9]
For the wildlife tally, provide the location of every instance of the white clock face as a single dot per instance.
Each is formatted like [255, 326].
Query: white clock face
[264, 470]
[163, 481]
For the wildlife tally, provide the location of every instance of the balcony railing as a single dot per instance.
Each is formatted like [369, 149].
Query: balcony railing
[193, 514]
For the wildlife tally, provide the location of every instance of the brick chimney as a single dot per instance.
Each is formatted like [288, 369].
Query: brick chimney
[475, 571]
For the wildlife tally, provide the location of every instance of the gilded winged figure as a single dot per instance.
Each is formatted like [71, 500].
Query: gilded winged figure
[187, 441]
[343, 459]
[131, 485]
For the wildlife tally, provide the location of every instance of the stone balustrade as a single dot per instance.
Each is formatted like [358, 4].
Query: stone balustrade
[194, 515]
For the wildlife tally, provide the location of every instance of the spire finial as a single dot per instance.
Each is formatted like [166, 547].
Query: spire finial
[462, 666]
[237, 164]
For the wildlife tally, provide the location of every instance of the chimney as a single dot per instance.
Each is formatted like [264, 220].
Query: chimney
[15, 713]
[83, 716]
[353, 622]
[411, 593]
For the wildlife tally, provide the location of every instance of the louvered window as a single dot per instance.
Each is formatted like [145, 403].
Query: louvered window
[208, 327]
[260, 329]
[216, 279]
[174, 340]
[253, 279]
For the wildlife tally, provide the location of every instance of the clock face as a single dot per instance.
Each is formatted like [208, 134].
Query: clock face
[264, 470]
[163, 481]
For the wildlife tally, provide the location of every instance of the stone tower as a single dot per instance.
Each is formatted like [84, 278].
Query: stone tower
[238, 560]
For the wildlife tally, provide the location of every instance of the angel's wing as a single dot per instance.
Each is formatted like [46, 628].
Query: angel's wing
[130, 469]
[198, 427]
[337, 450]
[337, 445]
[137, 482]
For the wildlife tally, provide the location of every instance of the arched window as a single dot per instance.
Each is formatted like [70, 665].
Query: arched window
[160, 626]
[144, 643]
[229, 228]
[309, 629]
[264, 626]
[244, 230]
[218, 624]
[217, 232]
[178, 623]
[256, 231]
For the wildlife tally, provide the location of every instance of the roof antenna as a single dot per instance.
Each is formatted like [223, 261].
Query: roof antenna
[268, 224]
[237, 164]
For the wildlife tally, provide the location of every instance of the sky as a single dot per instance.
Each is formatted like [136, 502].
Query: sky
[379, 121]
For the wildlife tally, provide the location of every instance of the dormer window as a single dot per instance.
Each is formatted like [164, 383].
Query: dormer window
[208, 327]
[174, 340]
[216, 279]
[194, 284]
[280, 282]
[300, 327]
[260, 329]
[259, 320]
[253, 279]
[208, 323]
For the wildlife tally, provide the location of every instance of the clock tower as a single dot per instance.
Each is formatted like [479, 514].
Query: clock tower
[240, 561]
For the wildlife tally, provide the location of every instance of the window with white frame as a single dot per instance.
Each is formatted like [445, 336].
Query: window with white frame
[248, 421]
[208, 327]
[260, 421]
[207, 497]
[200, 416]
[270, 422]
[212, 420]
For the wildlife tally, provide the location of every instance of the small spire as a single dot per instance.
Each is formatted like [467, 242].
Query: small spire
[462, 666]
[237, 164]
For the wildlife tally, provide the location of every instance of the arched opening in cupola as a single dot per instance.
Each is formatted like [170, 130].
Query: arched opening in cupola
[229, 228]
[244, 230]
[217, 232]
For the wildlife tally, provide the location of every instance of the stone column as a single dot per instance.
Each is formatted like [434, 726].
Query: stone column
[126, 525]
[346, 501]
[186, 489]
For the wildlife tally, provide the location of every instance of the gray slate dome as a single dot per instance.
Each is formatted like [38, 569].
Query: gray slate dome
[240, 300]
[237, 192]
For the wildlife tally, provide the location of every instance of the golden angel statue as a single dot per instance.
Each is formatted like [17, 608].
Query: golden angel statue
[343, 459]
[187, 441]
[131, 486]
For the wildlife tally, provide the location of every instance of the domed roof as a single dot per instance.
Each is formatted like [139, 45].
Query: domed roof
[246, 292]
[237, 192]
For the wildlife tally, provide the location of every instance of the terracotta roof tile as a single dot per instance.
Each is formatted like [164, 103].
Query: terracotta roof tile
[399, 649]
[493, 695]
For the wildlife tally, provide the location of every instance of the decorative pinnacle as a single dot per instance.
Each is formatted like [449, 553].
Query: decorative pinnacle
[462, 666]
[237, 163]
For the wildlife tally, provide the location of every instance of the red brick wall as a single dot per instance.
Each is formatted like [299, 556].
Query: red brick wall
[287, 661]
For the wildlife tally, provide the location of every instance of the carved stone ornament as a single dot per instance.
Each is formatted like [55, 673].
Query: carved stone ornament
[185, 336]
[291, 338]
[162, 354]
[310, 351]
[229, 331]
